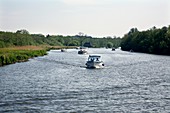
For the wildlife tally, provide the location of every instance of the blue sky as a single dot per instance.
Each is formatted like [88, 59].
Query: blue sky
[93, 17]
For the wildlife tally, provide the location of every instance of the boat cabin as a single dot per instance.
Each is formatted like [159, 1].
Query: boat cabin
[94, 58]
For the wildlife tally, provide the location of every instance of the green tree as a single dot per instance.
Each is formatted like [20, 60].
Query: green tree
[74, 43]
[109, 44]
[156, 41]
[22, 31]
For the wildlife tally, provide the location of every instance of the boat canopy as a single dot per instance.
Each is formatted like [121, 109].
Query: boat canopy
[94, 58]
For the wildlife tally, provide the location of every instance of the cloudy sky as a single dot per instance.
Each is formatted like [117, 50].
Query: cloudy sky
[93, 17]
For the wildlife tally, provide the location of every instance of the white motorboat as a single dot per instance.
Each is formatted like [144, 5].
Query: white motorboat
[94, 61]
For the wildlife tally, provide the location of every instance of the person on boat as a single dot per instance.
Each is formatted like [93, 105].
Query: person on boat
[92, 59]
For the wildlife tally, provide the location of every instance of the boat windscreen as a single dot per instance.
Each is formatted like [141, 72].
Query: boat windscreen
[94, 56]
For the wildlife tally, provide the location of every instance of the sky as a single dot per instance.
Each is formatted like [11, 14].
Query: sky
[97, 18]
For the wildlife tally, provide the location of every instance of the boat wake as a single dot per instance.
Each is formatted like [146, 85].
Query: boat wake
[66, 63]
[60, 62]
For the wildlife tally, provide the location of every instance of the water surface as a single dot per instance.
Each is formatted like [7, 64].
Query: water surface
[59, 82]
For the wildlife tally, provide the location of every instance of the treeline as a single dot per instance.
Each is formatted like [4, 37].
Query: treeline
[154, 41]
[21, 45]
[22, 38]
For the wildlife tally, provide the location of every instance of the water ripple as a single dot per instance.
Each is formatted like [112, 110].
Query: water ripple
[58, 82]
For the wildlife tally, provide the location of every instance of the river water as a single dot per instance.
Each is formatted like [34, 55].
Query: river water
[59, 82]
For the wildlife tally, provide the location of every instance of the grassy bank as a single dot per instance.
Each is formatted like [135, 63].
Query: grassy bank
[19, 54]
[23, 53]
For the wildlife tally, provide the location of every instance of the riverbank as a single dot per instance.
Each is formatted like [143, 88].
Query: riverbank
[23, 53]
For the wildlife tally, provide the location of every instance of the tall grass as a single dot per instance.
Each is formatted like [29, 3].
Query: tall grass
[19, 54]
[23, 53]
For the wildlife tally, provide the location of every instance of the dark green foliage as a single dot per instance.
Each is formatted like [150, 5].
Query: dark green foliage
[8, 39]
[22, 31]
[87, 44]
[155, 41]
[109, 44]
[2, 44]
[98, 42]
[23, 38]
[74, 43]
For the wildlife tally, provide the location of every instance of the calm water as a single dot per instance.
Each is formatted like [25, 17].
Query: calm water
[58, 82]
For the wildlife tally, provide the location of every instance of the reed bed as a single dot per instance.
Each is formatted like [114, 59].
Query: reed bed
[19, 54]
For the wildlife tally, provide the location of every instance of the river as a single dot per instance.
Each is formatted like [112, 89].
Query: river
[59, 82]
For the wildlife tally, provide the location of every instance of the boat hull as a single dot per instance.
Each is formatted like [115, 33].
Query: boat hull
[82, 52]
[93, 65]
[63, 50]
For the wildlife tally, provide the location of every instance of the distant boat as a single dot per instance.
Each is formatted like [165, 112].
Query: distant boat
[94, 61]
[113, 49]
[63, 50]
[131, 50]
[82, 50]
